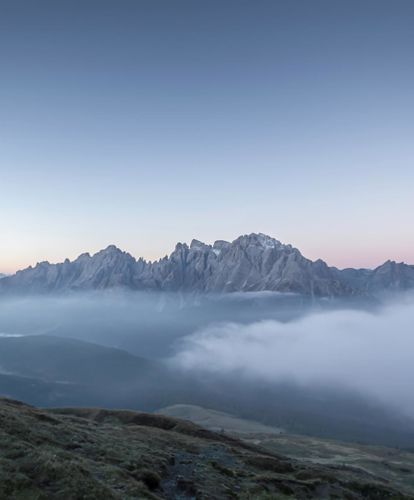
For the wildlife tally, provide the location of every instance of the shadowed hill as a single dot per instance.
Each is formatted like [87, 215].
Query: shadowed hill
[52, 371]
[71, 361]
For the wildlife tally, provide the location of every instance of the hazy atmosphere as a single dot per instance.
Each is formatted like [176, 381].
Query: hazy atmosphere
[268, 337]
[146, 123]
[352, 349]
[206, 249]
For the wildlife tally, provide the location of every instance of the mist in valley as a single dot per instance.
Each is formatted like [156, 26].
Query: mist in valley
[334, 368]
[366, 351]
[146, 324]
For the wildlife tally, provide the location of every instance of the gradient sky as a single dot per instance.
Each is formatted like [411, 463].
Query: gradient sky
[146, 122]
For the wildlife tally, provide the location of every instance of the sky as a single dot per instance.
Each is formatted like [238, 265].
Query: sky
[142, 123]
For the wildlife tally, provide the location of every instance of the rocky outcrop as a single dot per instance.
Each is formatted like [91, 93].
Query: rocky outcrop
[254, 262]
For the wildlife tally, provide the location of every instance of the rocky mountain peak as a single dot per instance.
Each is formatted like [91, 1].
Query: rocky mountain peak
[111, 250]
[83, 257]
[258, 239]
[199, 245]
[252, 262]
[180, 247]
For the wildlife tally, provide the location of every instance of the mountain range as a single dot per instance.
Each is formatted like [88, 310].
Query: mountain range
[254, 262]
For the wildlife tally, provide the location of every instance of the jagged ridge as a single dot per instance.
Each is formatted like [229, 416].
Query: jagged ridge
[254, 262]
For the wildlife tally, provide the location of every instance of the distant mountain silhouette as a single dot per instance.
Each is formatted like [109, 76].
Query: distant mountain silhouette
[254, 262]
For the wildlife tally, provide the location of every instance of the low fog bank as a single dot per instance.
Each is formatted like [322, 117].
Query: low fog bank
[370, 352]
[315, 367]
[146, 324]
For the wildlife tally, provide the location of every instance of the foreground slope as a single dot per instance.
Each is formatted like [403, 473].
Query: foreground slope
[393, 465]
[81, 453]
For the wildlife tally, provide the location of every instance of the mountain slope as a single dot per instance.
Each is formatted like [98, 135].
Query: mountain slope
[52, 371]
[254, 262]
[125, 455]
[70, 361]
[393, 465]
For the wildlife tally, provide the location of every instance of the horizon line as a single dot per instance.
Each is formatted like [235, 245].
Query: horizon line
[167, 255]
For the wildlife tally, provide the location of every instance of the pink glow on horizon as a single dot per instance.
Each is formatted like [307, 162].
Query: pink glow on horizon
[340, 258]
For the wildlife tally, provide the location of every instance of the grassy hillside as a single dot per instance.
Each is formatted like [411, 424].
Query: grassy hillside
[90, 454]
[217, 421]
[392, 465]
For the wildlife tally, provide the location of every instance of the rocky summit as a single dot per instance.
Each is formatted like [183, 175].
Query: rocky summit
[253, 262]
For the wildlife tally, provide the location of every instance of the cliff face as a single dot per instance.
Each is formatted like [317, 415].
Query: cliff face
[254, 262]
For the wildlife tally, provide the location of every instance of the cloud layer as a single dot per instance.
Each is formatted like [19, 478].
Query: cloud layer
[371, 353]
